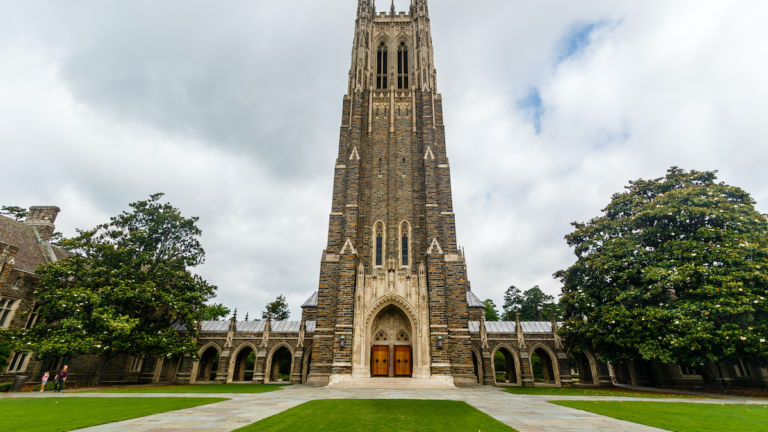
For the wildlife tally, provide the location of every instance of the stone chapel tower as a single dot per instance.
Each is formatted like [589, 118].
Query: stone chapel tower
[392, 297]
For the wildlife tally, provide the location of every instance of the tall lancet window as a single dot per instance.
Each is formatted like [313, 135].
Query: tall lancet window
[405, 237]
[381, 67]
[378, 247]
[402, 66]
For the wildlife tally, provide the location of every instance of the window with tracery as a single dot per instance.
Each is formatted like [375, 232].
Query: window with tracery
[402, 336]
[381, 336]
[379, 244]
[18, 362]
[402, 66]
[405, 235]
[6, 311]
[381, 67]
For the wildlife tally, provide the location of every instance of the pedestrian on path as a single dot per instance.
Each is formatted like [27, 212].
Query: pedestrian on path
[61, 377]
[45, 381]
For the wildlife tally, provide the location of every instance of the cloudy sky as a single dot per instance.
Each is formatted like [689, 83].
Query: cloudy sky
[232, 109]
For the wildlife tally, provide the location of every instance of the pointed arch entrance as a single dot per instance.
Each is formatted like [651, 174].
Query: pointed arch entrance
[391, 351]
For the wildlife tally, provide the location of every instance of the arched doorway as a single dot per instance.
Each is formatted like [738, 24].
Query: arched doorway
[477, 366]
[505, 364]
[280, 364]
[584, 367]
[391, 346]
[544, 369]
[208, 365]
[307, 364]
[244, 365]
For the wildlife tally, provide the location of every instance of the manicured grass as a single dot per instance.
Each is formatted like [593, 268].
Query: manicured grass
[681, 417]
[195, 388]
[385, 415]
[68, 413]
[589, 391]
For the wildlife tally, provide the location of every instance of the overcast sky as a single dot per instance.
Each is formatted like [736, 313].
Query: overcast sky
[232, 108]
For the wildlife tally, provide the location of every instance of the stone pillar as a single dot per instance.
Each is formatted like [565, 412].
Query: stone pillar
[260, 366]
[566, 379]
[297, 363]
[487, 361]
[223, 367]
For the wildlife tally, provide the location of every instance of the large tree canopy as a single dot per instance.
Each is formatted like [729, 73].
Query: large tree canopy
[128, 282]
[675, 270]
[532, 304]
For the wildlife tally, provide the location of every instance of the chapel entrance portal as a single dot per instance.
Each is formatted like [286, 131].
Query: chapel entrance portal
[391, 350]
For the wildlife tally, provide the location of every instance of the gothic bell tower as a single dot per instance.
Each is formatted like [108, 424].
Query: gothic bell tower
[392, 296]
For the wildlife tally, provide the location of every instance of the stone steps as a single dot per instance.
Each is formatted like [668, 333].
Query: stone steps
[392, 383]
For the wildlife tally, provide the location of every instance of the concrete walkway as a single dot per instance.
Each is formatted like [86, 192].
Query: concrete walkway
[525, 413]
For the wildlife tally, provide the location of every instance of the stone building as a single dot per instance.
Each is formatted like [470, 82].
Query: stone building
[24, 245]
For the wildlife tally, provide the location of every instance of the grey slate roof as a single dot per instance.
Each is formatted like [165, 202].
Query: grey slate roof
[255, 326]
[31, 251]
[509, 327]
[311, 301]
[473, 301]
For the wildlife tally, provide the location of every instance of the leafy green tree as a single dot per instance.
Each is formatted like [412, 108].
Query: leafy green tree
[128, 283]
[215, 312]
[5, 350]
[491, 314]
[536, 305]
[676, 270]
[277, 310]
[532, 304]
[513, 300]
[15, 212]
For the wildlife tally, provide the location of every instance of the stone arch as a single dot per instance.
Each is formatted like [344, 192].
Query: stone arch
[207, 364]
[268, 378]
[408, 312]
[585, 361]
[477, 361]
[553, 366]
[205, 347]
[233, 374]
[514, 363]
[306, 363]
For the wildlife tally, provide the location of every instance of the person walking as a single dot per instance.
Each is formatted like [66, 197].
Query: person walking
[61, 378]
[45, 381]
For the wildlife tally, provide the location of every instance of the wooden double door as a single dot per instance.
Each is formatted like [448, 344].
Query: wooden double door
[398, 358]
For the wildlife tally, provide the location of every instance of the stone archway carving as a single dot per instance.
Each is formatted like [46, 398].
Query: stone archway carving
[391, 327]
[409, 329]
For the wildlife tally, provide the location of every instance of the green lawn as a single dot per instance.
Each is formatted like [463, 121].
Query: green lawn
[681, 417]
[195, 388]
[589, 391]
[385, 415]
[68, 413]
